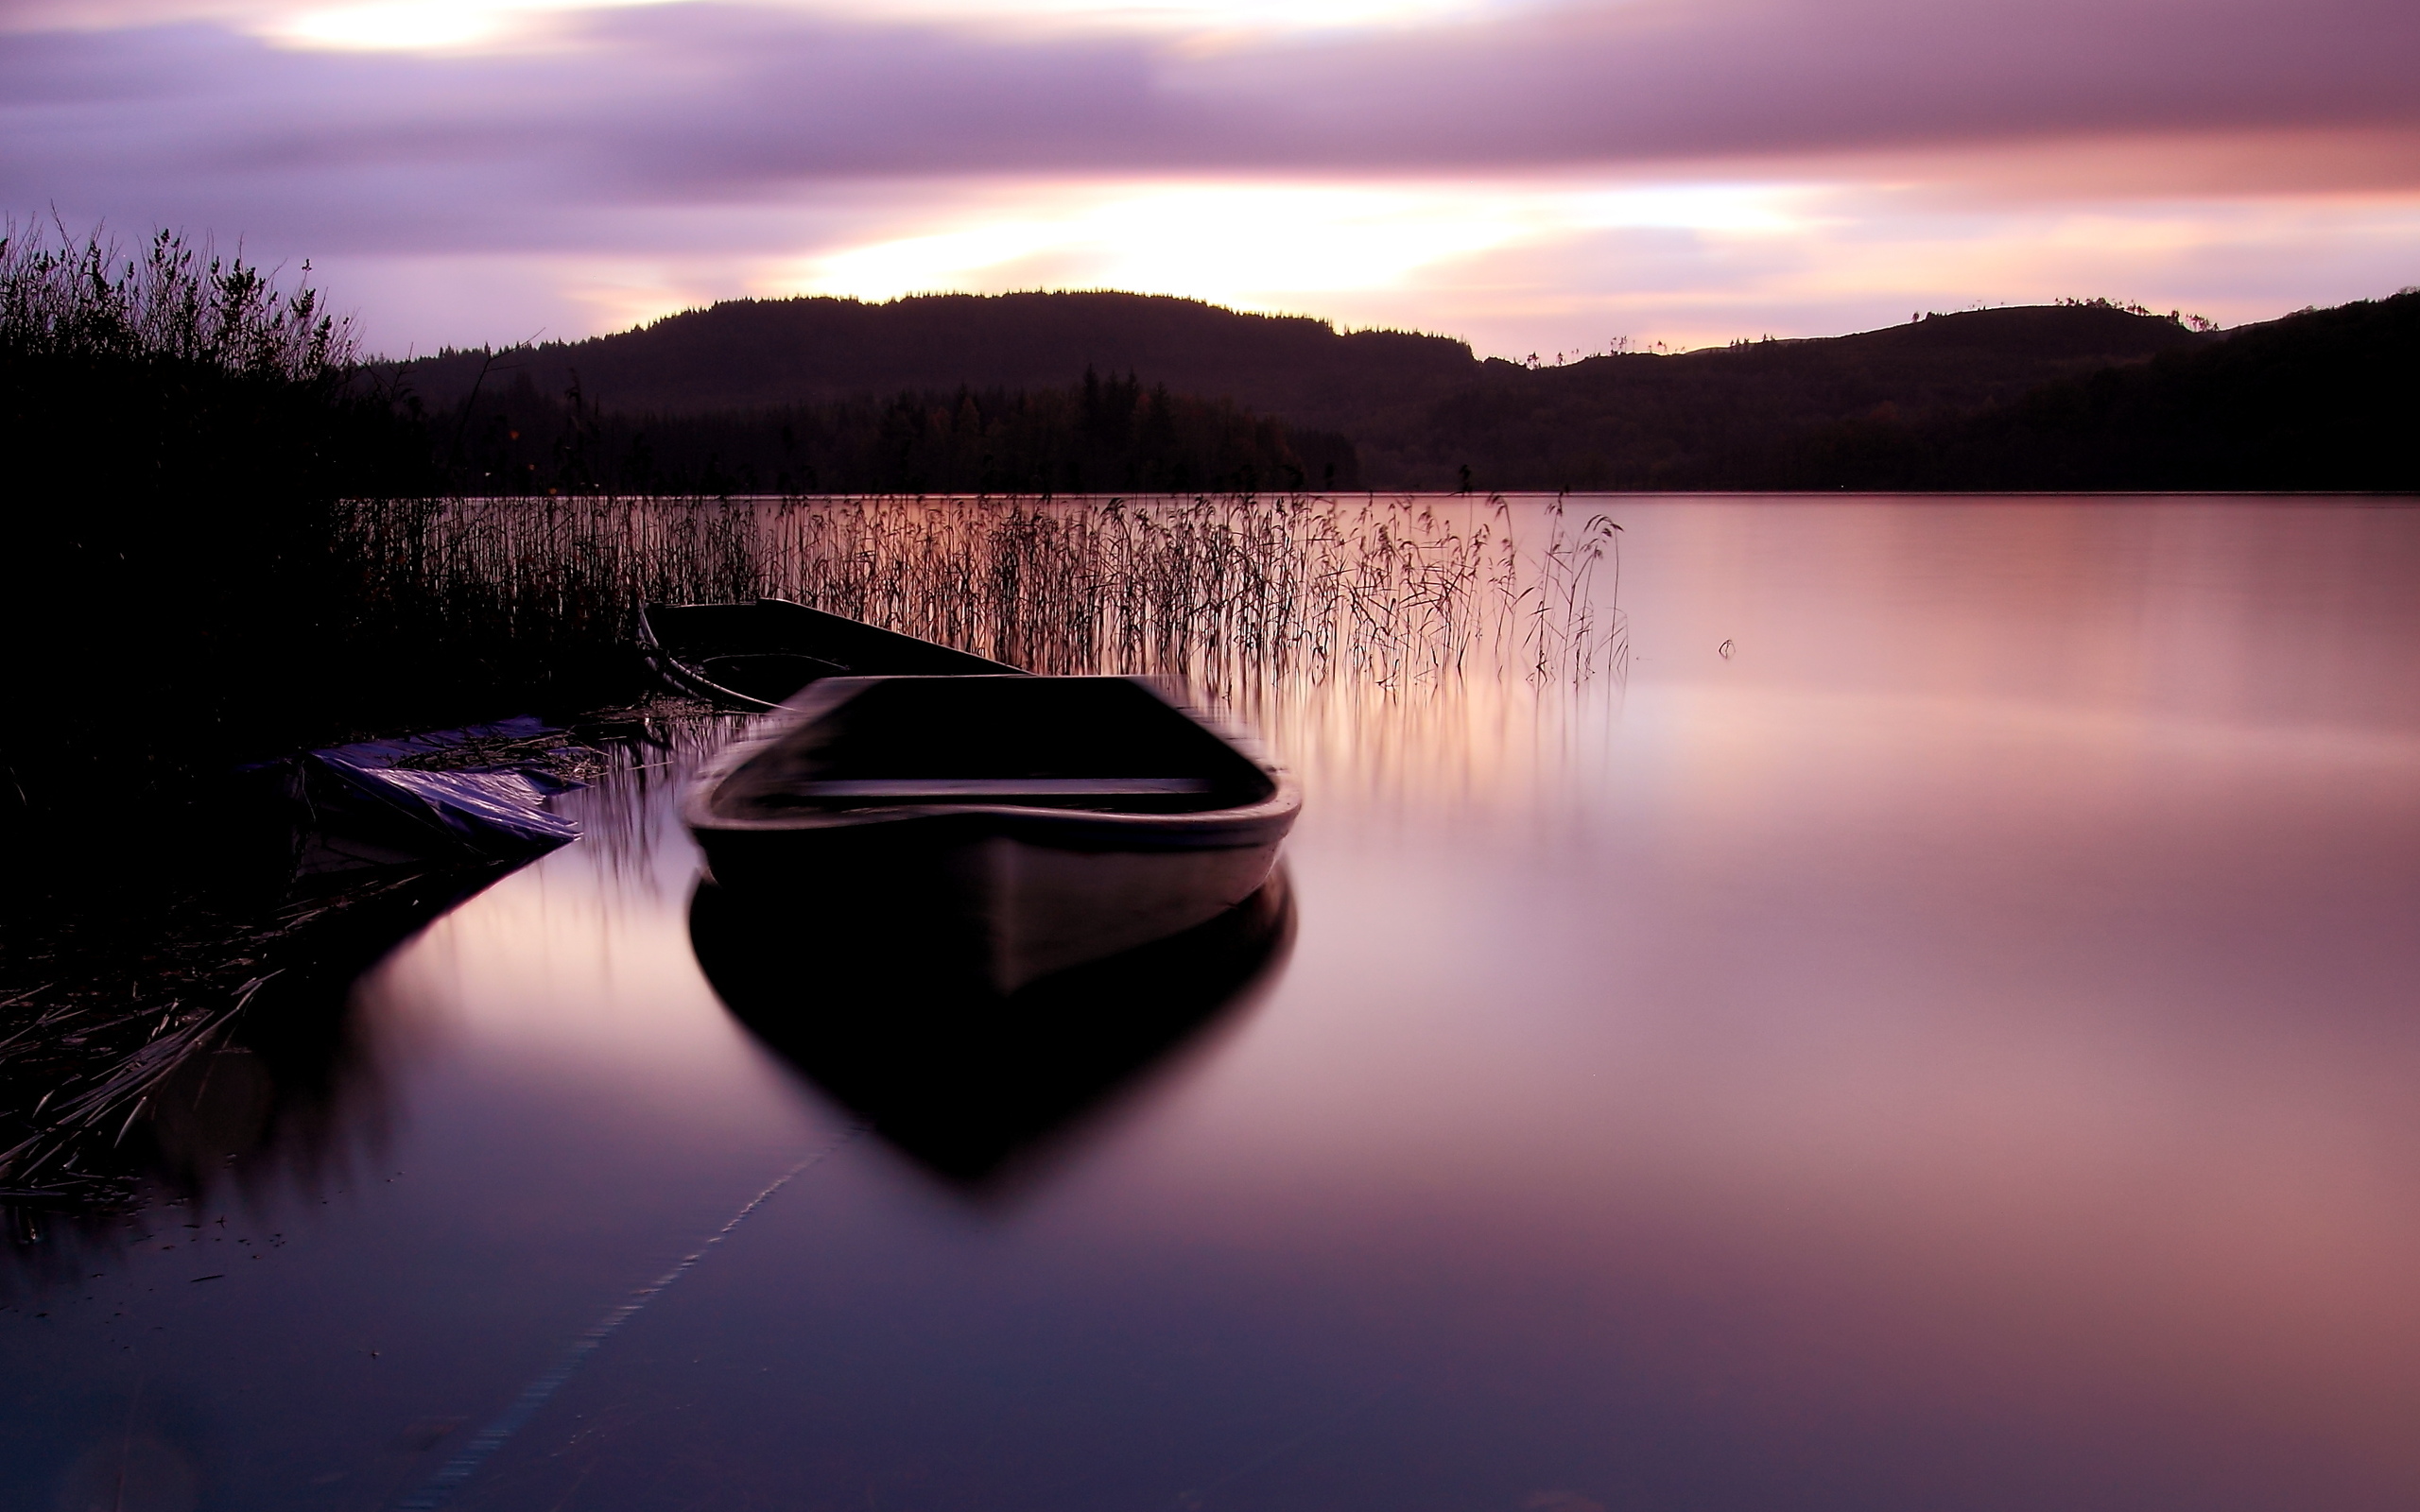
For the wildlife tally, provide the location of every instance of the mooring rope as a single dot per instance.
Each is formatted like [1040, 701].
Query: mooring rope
[534, 1396]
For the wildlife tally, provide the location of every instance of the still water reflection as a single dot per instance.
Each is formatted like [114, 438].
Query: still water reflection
[1938, 1031]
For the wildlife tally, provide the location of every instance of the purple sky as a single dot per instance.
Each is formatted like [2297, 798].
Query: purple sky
[1534, 176]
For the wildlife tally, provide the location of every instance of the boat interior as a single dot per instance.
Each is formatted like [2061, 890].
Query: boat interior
[1100, 744]
[767, 650]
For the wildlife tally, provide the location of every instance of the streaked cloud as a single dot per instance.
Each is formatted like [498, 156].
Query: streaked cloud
[1488, 168]
[1206, 26]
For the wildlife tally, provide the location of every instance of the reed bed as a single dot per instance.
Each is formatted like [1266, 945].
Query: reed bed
[1227, 591]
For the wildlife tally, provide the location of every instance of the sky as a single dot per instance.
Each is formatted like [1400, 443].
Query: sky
[1535, 176]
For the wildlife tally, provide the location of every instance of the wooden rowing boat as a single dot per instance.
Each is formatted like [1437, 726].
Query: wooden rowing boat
[756, 655]
[1032, 823]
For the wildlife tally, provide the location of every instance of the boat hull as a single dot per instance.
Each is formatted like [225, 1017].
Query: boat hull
[1002, 908]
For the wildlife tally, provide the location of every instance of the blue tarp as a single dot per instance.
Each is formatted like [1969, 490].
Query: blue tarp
[367, 809]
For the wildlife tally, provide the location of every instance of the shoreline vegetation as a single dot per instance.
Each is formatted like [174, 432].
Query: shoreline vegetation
[234, 537]
[1101, 436]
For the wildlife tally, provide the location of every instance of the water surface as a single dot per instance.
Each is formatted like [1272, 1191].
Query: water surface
[1932, 1024]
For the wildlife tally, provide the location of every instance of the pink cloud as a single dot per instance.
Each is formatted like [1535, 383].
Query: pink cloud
[713, 132]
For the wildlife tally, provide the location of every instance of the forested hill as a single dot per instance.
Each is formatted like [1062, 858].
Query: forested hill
[2320, 400]
[1710, 418]
[1418, 409]
[761, 354]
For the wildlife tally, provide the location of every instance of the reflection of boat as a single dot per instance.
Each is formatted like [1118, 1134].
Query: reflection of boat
[1030, 823]
[962, 1078]
[753, 656]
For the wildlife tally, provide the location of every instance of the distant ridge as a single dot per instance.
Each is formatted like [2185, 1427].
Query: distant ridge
[1705, 418]
[732, 388]
[757, 353]
[2319, 400]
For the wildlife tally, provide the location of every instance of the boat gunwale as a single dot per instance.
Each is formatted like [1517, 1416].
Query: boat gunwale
[689, 677]
[673, 668]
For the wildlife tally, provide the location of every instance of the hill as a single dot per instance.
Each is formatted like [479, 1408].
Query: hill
[728, 389]
[2322, 399]
[764, 354]
[1707, 418]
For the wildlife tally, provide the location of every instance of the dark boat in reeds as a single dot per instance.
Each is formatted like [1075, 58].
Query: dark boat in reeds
[756, 655]
[1023, 825]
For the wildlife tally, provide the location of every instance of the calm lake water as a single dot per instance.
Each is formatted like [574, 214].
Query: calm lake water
[1937, 1027]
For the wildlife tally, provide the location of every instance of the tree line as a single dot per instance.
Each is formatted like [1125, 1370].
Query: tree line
[1102, 435]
